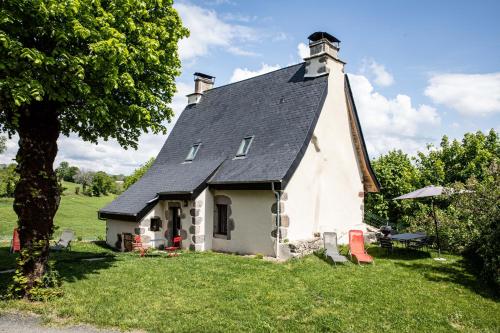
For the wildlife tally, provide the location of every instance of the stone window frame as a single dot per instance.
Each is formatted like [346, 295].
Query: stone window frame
[223, 200]
[155, 224]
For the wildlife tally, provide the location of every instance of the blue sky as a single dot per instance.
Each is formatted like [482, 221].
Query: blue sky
[419, 69]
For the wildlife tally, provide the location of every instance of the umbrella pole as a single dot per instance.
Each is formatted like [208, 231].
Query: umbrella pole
[437, 230]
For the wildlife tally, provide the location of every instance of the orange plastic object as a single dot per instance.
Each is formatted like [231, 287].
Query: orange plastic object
[16, 243]
[357, 247]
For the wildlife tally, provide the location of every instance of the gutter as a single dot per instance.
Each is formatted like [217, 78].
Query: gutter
[278, 219]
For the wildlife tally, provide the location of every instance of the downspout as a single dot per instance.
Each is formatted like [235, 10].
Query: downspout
[278, 219]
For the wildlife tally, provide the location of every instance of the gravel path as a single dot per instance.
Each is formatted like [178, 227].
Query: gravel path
[22, 323]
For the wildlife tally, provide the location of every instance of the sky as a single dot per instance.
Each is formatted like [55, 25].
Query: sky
[418, 69]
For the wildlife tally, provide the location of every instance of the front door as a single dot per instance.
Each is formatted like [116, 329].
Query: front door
[175, 212]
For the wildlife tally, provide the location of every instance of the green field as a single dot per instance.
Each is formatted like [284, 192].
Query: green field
[77, 212]
[406, 291]
[211, 292]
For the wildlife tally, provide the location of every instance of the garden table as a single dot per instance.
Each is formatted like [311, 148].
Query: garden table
[407, 237]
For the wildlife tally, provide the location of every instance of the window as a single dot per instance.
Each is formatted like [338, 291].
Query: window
[192, 152]
[221, 227]
[155, 224]
[244, 146]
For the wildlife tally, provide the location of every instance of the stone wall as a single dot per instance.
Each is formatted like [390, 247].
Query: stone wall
[305, 247]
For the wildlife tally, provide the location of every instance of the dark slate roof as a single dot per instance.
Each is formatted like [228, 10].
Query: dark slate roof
[279, 109]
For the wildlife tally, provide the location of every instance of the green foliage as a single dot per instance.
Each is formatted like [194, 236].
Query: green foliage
[107, 67]
[137, 174]
[85, 178]
[397, 175]
[458, 161]
[451, 162]
[479, 210]
[3, 145]
[42, 289]
[102, 184]
[66, 172]
[8, 180]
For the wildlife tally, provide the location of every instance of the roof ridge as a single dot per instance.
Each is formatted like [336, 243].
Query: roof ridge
[256, 76]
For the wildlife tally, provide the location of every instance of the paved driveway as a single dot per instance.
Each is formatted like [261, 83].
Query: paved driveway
[21, 323]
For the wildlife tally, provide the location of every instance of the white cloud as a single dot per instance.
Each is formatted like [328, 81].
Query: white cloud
[244, 73]
[469, 94]
[378, 72]
[208, 30]
[239, 17]
[391, 123]
[303, 50]
[109, 156]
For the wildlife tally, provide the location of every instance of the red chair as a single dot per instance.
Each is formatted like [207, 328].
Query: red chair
[137, 245]
[15, 245]
[357, 247]
[175, 246]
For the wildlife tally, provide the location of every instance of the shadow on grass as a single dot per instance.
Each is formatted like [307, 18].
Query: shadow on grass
[461, 272]
[72, 265]
[321, 254]
[398, 253]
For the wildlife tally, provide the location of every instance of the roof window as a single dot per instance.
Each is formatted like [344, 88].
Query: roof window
[192, 152]
[244, 146]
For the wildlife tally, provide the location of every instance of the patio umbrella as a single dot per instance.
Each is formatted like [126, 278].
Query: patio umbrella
[428, 191]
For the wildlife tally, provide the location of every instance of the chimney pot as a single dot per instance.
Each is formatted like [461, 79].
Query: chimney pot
[323, 48]
[202, 83]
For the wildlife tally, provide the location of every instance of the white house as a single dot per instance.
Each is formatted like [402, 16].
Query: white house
[281, 153]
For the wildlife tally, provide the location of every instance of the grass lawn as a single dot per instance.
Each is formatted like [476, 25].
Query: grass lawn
[77, 212]
[211, 292]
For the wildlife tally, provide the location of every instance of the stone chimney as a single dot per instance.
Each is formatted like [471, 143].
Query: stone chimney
[202, 83]
[323, 50]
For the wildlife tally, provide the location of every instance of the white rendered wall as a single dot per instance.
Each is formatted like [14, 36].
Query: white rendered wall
[158, 238]
[324, 192]
[253, 223]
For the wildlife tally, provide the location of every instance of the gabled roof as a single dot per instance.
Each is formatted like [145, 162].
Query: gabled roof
[279, 109]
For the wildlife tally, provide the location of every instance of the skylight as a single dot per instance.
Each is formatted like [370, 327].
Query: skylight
[193, 151]
[244, 146]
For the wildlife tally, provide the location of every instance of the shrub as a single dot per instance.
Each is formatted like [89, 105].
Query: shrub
[479, 208]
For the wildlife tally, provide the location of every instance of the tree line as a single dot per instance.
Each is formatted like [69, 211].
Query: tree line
[468, 218]
[92, 183]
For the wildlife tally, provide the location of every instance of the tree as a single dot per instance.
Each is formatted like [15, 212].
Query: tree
[458, 161]
[66, 172]
[100, 69]
[8, 180]
[102, 184]
[138, 173]
[3, 145]
[479, 209]
[397, 175]
[85, 178]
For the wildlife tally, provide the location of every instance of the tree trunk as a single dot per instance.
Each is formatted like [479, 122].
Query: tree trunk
[37, 192]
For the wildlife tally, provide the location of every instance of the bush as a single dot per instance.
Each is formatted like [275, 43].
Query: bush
[8, 180]
[102, 184]
[479, 209]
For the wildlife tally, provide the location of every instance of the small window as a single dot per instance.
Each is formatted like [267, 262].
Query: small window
[244, 146]
[192, 152]
[221, 227]
[155, 224]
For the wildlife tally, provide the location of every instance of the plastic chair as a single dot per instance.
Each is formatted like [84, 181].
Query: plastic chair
[332, 251]
[64, 242]
[137, 245]
[176, 244]
[357, 247]
[15, 244]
